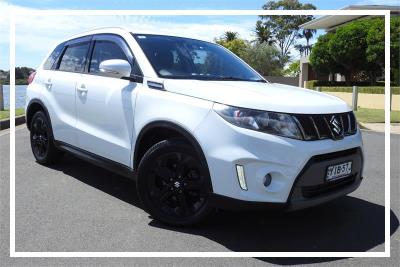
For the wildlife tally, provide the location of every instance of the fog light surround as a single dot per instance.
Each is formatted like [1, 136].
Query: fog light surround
[267, 180]
[241, 177]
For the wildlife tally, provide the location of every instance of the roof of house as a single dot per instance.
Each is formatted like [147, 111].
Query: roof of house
[330, 22]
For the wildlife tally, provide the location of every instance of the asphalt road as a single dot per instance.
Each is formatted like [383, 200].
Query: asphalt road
[75, 206]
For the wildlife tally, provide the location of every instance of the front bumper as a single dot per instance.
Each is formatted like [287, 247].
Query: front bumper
[310, 188]
[293, 164]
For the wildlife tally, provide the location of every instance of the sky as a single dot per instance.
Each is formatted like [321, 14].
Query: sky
[36, 35]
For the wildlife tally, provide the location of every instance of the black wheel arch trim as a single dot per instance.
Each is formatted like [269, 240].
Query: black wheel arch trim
[29, 106]
[175, 127]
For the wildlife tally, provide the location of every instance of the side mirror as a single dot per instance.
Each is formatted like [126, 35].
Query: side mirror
[116, 68]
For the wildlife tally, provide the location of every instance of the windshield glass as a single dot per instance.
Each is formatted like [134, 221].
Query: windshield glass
[183, 58]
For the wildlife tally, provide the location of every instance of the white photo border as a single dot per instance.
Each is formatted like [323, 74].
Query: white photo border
[14, 14]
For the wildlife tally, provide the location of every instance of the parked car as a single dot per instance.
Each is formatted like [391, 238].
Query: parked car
[192, 123]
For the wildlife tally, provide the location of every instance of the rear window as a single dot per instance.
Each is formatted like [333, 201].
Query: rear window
[74, 58]
[53, 57]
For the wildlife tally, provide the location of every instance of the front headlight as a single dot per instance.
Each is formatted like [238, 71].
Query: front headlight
[264, 121]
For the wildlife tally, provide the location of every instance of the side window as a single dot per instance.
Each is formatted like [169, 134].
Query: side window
[74, 57]
[105, 50]
[53, 57]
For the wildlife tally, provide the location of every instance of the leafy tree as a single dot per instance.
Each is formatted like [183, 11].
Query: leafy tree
[263, 34]
[355, 50]
[320, 58]
[22, 72]
[230, 36]
[293, 70]
[395, 49]
[285, 29]
[348, 48]
[263, 58]
[236, 46]
[376, 41]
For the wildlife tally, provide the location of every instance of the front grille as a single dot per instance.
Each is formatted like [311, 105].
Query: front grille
[316, 190]
[321, 126]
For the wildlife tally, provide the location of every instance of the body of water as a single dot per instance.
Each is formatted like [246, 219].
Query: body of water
[20, 93]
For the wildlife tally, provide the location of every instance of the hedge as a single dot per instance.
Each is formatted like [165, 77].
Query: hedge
[361, 89]
[314, 83]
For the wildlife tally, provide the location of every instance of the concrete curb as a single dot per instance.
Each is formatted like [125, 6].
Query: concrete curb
[5, 123]
[380, 127]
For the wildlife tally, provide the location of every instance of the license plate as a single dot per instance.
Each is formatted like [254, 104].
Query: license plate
[338, 171]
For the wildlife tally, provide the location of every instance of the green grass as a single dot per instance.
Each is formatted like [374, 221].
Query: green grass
[4, 114]
[369, 115]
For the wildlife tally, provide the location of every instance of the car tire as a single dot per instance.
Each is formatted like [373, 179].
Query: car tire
[42, 142]
[174, 184]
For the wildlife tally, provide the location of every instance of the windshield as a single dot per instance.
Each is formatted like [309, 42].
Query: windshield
[183, 58]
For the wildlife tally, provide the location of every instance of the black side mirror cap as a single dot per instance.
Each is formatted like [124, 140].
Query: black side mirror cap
[134, 78]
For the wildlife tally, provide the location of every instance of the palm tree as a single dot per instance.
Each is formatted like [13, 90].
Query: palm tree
[230, 36]
[301, 48]
[263, 33]
[308, 34]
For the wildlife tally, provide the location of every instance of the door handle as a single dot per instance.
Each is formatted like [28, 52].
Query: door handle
[82, 88]
[48, 83]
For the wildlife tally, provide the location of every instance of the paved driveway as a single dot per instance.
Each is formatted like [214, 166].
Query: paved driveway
[75, 206]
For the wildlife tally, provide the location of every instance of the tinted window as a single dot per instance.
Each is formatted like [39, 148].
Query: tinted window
[183, 58]
[74, 58]
[53, 57]
[105, 50]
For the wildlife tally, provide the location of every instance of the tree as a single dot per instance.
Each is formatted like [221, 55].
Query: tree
[395, 49]
[359, 46]
[320, 58]
[285, 29]
[263, 34]
[236, 46]
[293, 70]
[355, 50]
[263, 58]
[308, 34]
[230, 36]
[22, 72]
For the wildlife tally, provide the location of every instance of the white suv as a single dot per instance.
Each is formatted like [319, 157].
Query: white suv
[193, 124]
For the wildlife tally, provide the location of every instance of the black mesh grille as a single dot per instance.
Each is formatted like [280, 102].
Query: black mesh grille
[319, 126]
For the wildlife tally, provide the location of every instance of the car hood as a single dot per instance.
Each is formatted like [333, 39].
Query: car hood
[261, 96]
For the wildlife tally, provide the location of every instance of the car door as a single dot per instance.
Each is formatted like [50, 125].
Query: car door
[105, 105]
[60, 83]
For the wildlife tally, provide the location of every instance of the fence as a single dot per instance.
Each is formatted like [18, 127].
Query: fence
[356, 98]
[294, 81]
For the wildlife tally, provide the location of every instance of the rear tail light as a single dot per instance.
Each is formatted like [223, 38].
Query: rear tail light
[31, 77]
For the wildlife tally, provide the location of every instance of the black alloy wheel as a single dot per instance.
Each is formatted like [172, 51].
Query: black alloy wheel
[39, 138]
[174, 183]
[42, 142]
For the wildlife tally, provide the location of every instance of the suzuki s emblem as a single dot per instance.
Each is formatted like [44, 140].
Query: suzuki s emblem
[336, 127]
[177, 184]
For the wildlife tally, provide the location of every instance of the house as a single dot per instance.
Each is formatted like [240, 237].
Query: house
[329, 24]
